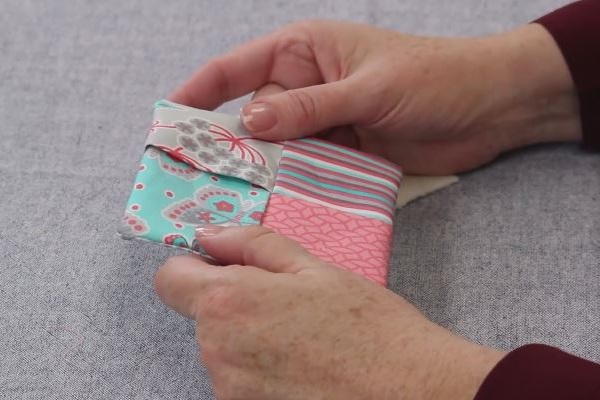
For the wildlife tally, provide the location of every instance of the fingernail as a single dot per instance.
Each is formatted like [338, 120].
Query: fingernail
[208, 230]
[258, 117]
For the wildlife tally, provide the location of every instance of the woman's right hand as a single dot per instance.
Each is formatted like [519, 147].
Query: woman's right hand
[432, 105]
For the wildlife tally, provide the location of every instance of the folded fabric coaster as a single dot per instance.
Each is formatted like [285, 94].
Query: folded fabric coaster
[213, 142]
[202, 167]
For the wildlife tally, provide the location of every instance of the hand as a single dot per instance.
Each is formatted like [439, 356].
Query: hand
[433, 105]
[277, 323]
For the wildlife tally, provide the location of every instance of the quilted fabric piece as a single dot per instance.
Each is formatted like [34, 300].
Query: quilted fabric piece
[170, 198]
[213, 142]
[353, 242]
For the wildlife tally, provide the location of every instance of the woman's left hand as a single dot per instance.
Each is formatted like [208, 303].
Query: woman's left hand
[275, 322]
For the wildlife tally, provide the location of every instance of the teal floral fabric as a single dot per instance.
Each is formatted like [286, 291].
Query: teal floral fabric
[170, 198]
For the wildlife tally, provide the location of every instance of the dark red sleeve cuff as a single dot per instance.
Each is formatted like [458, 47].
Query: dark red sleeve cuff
[576, 30]
[536, 371]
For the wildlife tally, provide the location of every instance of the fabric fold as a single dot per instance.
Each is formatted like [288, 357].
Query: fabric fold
[213, 142]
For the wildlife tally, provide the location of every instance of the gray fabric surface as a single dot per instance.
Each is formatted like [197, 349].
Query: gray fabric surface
[507, 256]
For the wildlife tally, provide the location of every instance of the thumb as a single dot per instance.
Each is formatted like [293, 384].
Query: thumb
[301, 112]
[256, 246]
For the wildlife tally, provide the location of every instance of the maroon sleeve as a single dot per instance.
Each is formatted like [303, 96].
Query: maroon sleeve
[576, 30]
[536, 372]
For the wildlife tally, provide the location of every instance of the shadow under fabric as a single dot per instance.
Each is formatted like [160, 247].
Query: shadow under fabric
[202, 167]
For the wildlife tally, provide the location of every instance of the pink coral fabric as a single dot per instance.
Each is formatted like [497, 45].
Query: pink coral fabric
[350, 241]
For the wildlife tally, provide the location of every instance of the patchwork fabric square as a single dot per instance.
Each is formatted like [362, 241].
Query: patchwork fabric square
[202, 167]
[337, 202]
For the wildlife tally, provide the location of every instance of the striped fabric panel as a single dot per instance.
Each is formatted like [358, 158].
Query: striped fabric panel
[338, 177]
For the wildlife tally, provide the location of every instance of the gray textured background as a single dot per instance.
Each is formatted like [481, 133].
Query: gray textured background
[507, 256]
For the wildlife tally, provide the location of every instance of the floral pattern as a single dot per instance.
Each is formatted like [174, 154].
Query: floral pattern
[208, 157]
[206, 140]
[132, 226]
[188, 143]
[184, 127]
[171, 198]
[200, 124]
[209, 146]
[215, 205]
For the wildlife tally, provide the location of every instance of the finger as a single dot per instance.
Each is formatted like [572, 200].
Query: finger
[256, 246]
[342, 135]
[279, 57]
[229, 76]
[267, 90]
[182, 279]
[304, 111]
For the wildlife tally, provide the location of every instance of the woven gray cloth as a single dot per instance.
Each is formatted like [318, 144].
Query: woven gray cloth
[507, 256]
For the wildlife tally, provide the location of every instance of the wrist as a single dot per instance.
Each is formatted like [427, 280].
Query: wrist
[460, 369]
[436, 364]
[536, 98]
[466, 367]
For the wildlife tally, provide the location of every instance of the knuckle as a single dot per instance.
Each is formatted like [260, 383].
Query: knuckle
[298, 40]
[222, 81]
[256, 230]
[163, 277]
[259, 243]
[288, 36]
[220, 301]
[160, 278]
[234, 387]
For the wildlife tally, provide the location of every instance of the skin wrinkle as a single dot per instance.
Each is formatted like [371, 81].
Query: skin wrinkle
[341, 65]
[304, 106]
